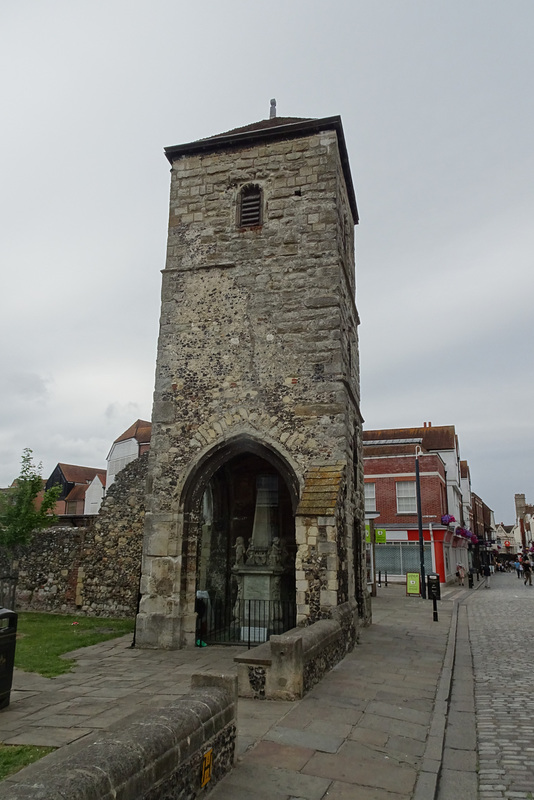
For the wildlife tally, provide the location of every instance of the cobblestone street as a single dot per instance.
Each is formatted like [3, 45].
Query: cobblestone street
[502, 646]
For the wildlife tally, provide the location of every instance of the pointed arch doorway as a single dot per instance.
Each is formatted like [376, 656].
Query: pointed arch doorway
[239, 545]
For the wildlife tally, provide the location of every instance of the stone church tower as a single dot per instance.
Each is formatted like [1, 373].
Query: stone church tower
[255, 485]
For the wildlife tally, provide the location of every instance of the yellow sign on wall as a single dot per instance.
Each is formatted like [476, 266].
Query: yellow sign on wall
[413, 583]
[207, 766]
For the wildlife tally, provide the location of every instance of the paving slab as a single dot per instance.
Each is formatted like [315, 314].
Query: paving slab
[394, 711]
[403, 746]
[345, 791]
[321, 742]
[364, 732]
[274, 754]
[360, 765]
[394, 726]
[271, 782]
[455, 784]
[464, 760]
[48, 737]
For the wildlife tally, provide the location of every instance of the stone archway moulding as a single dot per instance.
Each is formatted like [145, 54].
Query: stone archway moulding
[202, 470]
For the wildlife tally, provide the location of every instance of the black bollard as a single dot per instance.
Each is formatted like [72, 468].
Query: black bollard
[434, 591]
[380, 577]
[386, 579]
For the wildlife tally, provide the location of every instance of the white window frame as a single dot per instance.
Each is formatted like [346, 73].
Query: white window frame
[370, 496]
[406, 497]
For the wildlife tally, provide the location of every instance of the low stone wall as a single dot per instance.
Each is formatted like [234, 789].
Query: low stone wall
[48, 571]
[159, 756]
[288, 666]
[91, 570]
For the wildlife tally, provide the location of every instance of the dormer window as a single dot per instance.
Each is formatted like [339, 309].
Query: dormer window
[250, 207]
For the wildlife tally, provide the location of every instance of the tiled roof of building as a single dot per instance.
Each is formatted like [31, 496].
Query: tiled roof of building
[77, 493]
[439, 437]
[321, 491]
[140, 430]
[275, 122]
[389, 449]
[76, 474]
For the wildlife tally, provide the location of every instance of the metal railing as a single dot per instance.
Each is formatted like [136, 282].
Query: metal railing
[246, 622]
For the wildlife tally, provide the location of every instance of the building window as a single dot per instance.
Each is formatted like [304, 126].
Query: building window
[250, 207]
[370, 497]
[406, 497]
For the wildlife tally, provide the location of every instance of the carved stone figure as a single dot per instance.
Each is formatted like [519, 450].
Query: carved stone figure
[239, 551]
[275, 553]
[250, 553]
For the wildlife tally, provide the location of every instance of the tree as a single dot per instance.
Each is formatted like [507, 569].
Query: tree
[21, 513]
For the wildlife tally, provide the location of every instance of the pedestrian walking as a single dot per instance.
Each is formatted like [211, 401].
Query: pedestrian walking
[486, 571]
[518, 567]
[527, 572]
[460, 572]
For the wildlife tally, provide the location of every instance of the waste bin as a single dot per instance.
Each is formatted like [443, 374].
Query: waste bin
[8, 638]
[434, 590]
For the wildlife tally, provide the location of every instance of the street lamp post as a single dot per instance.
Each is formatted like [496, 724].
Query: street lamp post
[418, 452]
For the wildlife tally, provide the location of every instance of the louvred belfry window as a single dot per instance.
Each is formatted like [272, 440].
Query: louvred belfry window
[250, 207]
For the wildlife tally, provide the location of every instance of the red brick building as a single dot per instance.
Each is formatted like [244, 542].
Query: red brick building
[391, 495]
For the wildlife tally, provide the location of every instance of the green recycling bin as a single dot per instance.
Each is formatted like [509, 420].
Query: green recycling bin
[8, 639]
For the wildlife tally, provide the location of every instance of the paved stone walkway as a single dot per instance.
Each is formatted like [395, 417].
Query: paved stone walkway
[368, 730]
[111, 682]
[421, 710]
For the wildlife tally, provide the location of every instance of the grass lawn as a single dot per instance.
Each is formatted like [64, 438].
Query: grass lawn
[43, 638]
[15, 757]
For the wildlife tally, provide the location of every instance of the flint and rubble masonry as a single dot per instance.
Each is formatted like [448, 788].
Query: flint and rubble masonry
[159, 756]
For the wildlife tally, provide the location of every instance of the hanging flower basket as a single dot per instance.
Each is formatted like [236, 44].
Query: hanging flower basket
[447, 519]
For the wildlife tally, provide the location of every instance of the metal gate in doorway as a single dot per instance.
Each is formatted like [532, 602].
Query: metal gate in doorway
[245, 622]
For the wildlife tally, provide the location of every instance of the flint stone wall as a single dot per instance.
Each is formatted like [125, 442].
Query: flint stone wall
[93, 570]
[157, 757]
[112, 556]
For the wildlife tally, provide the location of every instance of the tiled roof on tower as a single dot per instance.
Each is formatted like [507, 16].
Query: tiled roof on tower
[269, 130]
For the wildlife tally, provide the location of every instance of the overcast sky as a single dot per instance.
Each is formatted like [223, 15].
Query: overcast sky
[436, 102]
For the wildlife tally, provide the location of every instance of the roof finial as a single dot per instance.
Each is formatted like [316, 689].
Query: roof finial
[272, 112]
